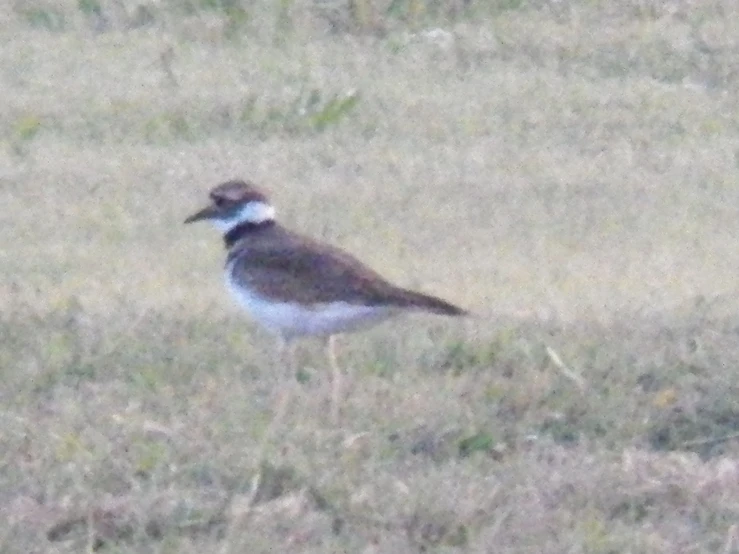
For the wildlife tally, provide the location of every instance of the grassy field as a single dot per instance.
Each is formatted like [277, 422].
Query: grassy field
[567, 170]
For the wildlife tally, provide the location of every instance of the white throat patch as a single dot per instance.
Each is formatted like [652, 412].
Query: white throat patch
[252, 212]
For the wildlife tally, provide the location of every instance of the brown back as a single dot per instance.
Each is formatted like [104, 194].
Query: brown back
[282, 265]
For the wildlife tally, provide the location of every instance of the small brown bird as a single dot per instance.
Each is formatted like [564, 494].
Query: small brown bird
[295, 286]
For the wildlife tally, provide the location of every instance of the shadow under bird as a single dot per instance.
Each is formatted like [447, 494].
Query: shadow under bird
[296, 286]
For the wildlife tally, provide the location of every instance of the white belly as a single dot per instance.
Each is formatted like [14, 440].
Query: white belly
[291, 319]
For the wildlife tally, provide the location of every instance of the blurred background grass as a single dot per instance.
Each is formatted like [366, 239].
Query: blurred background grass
[564, 169]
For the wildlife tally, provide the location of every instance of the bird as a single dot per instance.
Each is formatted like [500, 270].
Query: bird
[296, 286]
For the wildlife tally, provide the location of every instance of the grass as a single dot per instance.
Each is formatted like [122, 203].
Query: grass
[565, 170]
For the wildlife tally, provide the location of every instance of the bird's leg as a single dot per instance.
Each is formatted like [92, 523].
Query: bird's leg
[336, 379]
[284, 358]
[287, 358]
[285, 362]
[286, 373]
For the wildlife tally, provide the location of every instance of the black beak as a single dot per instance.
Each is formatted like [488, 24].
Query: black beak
[205, 213]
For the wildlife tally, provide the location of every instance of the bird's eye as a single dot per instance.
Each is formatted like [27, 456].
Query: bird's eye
[219, 201]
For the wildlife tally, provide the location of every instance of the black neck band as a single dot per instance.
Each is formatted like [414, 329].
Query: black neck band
[243, 229]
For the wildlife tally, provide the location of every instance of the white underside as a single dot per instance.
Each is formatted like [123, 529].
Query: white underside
[290, 319]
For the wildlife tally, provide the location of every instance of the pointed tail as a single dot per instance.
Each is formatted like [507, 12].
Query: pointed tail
[413, 299]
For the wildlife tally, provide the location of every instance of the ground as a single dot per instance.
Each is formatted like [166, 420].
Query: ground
[565, 170]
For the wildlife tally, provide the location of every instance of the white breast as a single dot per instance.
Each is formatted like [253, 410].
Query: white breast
[290, 319]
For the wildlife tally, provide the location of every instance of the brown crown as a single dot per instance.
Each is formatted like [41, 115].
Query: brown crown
[236, 192]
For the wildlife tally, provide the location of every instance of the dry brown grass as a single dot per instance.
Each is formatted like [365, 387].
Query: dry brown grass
[565, 169]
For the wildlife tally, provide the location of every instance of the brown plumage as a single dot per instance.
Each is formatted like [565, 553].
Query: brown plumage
[297, 286]
[285, 266]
